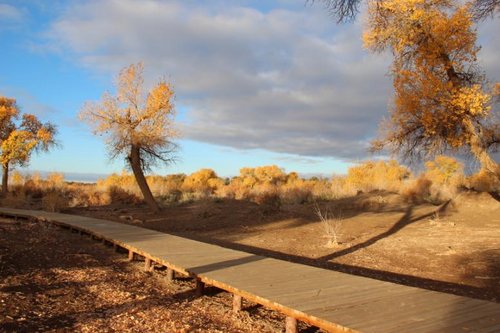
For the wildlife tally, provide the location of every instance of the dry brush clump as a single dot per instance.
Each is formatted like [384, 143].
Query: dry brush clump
[417, 190]
[442, 180]
[202, 184]
[55, 201]
[376, 175]
[483, 181]
[446, 175]
[332, 224]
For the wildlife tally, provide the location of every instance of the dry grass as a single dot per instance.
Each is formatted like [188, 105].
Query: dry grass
[54, 201]
[332, 224]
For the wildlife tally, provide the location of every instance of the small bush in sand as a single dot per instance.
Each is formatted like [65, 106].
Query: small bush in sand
[417, 191]
[118, 195]
[332, 224]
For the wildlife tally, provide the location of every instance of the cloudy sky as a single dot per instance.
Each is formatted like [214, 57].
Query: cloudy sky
[255, 84]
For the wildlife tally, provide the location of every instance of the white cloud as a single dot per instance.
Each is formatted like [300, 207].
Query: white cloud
[10, 17]
[286, 80]
[10, 13]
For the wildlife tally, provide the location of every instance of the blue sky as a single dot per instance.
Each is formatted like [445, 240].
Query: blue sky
[255, 85]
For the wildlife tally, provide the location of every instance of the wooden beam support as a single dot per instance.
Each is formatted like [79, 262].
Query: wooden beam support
[200, 288]
[170, 274]
[131, 255]
[237, 302]
[291, 325]
[148, 265]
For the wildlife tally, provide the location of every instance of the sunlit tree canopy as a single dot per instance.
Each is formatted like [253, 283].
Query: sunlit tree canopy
[442, 100]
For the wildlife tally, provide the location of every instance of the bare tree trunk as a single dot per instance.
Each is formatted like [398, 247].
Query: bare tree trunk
[5, 179]
[478, 149]
[135, 163]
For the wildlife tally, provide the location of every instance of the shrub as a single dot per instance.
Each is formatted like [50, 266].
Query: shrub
[332, 224]
[266, 175]
[268, 197]
[16, 179]
[174, 196]
[33, 189]
[417, 190]
[15, 200]
[173, 183]
[55, 180]
[54, 201]
[444, 171]
[125, 181]
[379, 175]
[120, 196]
[204, 181]
[296, 194]
[89, 197]
[484, 181]
[341, 188]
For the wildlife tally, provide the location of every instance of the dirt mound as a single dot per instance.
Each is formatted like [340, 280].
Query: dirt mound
[377, 201]
[477, 201]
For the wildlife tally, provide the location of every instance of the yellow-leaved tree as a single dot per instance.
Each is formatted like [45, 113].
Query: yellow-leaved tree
[138, 125]
[441, 98]
[20, 136]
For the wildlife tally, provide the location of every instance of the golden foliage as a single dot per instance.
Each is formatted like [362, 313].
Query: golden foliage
[17, 178]
[440, 182]
[444, 170]
[203, 181]
[136, 124]
[19, 140]
[55, 180]
[133, 117]
[17, 147]
[125, 181]
[379, 175]
[8, 112]
[439, 97]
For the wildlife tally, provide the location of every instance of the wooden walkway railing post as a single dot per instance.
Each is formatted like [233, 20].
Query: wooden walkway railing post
[170, 274]
[237, 303]
[131, 255]
[200, 288]
[147, 264]
[291, 325]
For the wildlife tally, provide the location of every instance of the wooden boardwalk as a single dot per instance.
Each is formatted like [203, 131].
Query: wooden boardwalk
[333, 301]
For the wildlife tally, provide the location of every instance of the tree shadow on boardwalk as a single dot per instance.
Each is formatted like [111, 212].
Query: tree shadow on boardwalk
[225, 264]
